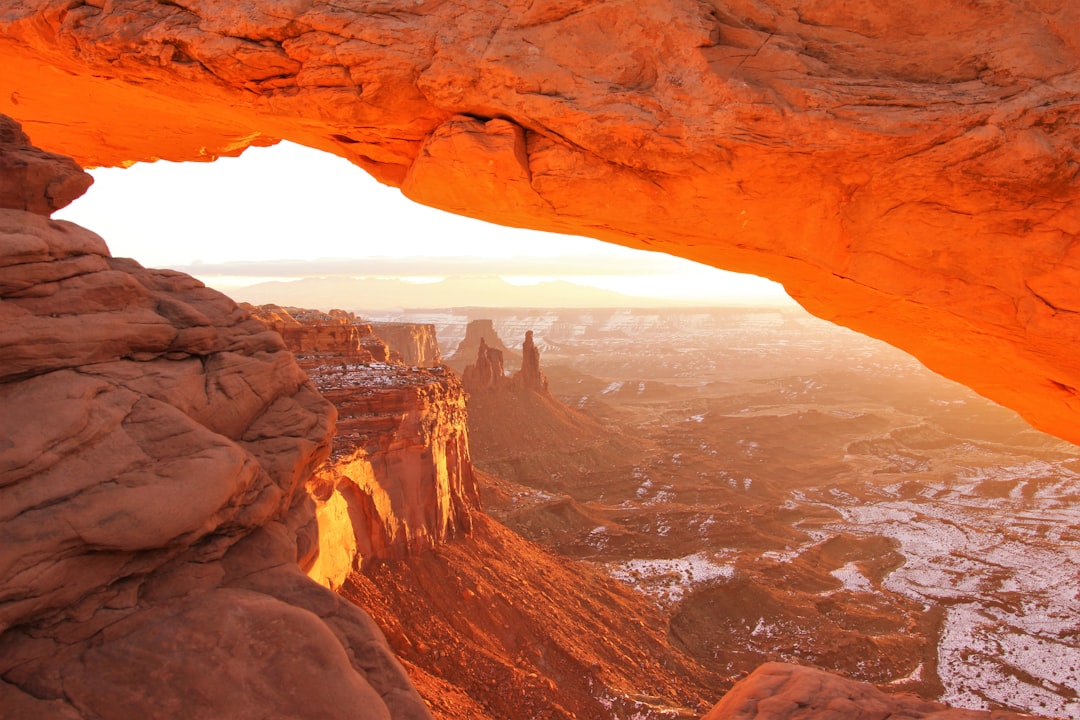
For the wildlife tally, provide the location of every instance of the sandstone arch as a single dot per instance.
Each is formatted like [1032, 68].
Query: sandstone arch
[907, 171]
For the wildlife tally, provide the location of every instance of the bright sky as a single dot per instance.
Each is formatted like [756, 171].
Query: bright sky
[288, 211]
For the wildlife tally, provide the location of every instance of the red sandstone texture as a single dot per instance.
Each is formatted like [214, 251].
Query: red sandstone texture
[416, 343]
[400, 479]
[777, 691]
[907, 170]
[313, 333]
[155, 444]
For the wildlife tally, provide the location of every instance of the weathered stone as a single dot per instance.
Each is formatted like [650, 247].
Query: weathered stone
[32, 179]
[415, 342]
[156, 444]
[910, 171]
[777, 691]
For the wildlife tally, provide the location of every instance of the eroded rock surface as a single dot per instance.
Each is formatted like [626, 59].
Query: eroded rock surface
[777, 691]
[400, 478]
[909, 171]
[155, 444]
[415, 342]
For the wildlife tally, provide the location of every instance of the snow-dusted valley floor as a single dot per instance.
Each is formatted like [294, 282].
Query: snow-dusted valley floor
[798, 492]
[998, 547]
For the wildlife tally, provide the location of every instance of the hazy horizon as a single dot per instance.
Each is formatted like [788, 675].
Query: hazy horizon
[286, 213]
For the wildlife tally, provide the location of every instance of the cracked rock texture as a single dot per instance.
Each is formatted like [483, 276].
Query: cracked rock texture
[906, 169]
[155, 442]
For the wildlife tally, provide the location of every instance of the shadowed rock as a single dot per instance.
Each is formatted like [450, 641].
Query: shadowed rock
[155, 443]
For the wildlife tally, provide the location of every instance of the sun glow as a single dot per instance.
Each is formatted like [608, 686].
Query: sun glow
[287, 212]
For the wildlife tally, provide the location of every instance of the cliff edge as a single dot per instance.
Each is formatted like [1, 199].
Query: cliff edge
[155, 442]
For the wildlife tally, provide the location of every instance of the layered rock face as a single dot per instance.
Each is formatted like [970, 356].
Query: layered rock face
[907, 170]
[777, 691]
[312, 333]
[400, 479]
[155, 442]
[415, 342]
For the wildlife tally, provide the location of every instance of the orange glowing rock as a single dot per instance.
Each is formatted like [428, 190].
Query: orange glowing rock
[909, 171]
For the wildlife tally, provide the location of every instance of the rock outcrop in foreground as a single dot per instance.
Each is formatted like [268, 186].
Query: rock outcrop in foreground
[909, 170]
[155, 442]
[777, 691]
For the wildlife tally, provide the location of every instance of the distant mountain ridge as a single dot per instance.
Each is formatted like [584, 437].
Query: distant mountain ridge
[463, 291]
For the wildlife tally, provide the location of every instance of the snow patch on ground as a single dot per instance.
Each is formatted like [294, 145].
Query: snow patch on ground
[1005, 567]
[612, 388]
[852, 578]
[667, 580]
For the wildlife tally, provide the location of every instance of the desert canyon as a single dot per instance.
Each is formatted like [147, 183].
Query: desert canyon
[216, 511]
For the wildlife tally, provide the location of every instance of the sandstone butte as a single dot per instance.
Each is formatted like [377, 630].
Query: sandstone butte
[905, 169]
[160, 492]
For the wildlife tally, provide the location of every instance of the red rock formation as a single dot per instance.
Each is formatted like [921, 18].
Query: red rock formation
[529, 376]
[312, 334]
[907, 170]
[34, 180]
[777, 691]
[479, 332]
[415, 342]
[155, 442]
[487, 373]
[400, 479]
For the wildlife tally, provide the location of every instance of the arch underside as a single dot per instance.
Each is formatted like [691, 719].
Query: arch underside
[911, 174]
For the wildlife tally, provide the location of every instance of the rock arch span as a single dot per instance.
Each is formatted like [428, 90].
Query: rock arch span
[908, 171]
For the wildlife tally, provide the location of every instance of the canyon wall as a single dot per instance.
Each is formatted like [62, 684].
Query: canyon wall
[909, 171]
[155, 443]
[415, 342]
[334, 334]
[399, 480]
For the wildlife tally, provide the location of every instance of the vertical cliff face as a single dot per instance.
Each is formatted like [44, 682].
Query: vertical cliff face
[313, 333]
[415, 342]
[401, 456]
[155, 443]
[400, 479]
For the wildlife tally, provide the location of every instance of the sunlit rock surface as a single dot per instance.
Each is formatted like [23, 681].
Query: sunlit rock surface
[400, 479]
[907, 170]
[155, 443]
[776, 691]
[415, 342]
